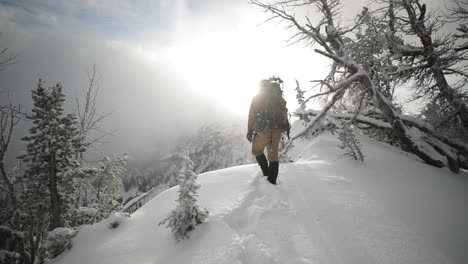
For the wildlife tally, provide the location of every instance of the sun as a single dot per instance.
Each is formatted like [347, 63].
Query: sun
[226, 65]
[219, 66]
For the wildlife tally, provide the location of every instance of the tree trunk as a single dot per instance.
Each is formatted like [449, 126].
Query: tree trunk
[399, 128]
[55, 209]
[433, 59]
[387, 108]
[9, 184]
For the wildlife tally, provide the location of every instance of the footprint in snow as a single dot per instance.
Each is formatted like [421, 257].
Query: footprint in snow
[252, 207]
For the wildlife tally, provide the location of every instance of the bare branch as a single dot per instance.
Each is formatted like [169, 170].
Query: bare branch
[336, 96]
[7, 61]
[9, 118]
[87, 110]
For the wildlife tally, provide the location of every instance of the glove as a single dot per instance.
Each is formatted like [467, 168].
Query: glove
[287, 129]
[250, 134]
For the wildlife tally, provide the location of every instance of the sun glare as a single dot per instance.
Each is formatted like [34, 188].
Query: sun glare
[218, 66]
[227, 65]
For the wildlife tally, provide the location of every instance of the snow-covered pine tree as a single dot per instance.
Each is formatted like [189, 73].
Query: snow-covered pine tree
[369, 47]
[187, 214]
[97, 193]
[52, 147]
[215, 147]
[107, 184]
[300, 99]
[211, 148]
[349, 143]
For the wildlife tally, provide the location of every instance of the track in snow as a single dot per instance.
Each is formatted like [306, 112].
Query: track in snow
[389, 209]
[311, 218]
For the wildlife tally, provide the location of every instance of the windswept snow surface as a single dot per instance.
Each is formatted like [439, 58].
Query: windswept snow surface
[389, 209]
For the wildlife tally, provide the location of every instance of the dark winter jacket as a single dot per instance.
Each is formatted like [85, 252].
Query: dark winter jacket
[268, 110]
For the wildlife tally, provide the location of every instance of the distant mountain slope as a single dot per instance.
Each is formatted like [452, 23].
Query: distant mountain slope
[389, 209]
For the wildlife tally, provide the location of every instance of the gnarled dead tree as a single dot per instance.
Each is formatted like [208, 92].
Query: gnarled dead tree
[330, 37]
[458, 13]
[432, 61]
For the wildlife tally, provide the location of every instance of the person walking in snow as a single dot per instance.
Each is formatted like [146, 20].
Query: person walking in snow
[268, 119]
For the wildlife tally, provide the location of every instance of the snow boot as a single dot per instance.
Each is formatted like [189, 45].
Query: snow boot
[263, 162]
[273, 172]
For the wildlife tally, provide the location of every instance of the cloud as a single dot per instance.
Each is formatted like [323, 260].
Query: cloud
[152, 106]
[148, 55]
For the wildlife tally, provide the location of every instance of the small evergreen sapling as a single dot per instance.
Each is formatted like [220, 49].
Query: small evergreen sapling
[300, 97]
[187, 214]
[349, 143]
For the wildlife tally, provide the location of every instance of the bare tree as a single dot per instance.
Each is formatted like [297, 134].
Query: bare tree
[88, 118]
[12, 240]
[10, 115]
[6, 58]
[458, 13]
[352, 76]
[433, 60]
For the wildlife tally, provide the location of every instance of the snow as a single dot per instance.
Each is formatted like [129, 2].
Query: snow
[116, 220]
[348, 116]
[417, 137]
[408, 49]
[132, 201]
[11, 255]
[418, 122]
[132, 192]
[62, 232]
[89, 211]
[391, 208]
[144, 197]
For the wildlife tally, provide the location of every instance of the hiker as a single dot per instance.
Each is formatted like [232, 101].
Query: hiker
[268, 119]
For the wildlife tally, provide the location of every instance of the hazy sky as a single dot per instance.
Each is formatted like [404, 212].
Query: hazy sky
[163, 67]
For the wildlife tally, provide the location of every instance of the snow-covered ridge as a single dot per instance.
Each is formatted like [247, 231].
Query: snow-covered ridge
[389, 209]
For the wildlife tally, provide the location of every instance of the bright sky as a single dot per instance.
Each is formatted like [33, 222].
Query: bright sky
[218, 48]
[163, 66]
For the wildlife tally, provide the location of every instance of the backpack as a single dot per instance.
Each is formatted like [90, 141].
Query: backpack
[271, 107]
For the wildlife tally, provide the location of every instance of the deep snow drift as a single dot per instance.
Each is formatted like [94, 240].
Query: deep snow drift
[389, 209]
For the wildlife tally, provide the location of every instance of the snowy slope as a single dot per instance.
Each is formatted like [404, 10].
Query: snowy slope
[389, 209]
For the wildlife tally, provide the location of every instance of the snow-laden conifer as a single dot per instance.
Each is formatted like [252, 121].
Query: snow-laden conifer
[187, 214]
[106, 185]
[53, 145]
[349, 143]
[211, 148]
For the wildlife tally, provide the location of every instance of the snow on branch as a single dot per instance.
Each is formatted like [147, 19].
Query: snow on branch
[350, 116]
[411, 133]
[438, 147]
[405, 68]
[334, 88]
[367, 120]
[438, 58]
[324, 111]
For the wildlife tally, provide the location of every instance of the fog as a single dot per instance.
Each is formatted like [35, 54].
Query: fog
[132, 45]
[150, 103]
